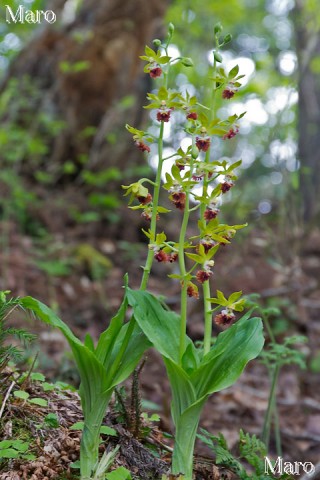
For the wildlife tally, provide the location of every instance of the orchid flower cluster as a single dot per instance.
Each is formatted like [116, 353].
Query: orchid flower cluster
[191, 168]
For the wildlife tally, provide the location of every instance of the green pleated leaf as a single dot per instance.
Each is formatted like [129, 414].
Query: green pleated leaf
[183, 392]
[88, 341]
[93, 365]
[109, 336]
[92, 373]
[138, 344]
[190, 358]
[48, 316]
[234, 348]
[161, 327]
[193, 380]
[185, 435]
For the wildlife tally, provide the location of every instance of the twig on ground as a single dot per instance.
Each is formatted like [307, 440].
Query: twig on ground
[314, 475]
[156, 442]
[6, 397]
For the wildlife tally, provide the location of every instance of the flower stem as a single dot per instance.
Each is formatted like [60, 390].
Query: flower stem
[277, 432]
[206, 285]
[270, 409]
[183, 320]
[153, 225]
[269, 329]
[182, 265]
[207, 318]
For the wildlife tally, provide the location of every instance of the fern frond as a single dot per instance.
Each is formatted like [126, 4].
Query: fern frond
[252, 450]
[11, 352]
[22, 335]
[223, 456]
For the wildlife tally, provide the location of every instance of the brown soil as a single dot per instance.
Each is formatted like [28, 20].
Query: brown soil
[86, 304]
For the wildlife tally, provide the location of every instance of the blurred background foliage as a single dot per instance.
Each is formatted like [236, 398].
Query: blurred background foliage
[276, 45]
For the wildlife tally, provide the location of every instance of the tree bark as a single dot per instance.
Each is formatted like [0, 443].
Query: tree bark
[308, 49]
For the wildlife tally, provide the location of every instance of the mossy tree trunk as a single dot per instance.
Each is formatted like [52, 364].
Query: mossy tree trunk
[307, 25]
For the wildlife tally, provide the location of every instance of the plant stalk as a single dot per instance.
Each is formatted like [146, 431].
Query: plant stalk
[186, 425]
[182, 458]
[269, 329]
[277, 432]
[90, 440]
[182, 266]
[206, 285]
[270, 409]
[207, 318]
[153, 225]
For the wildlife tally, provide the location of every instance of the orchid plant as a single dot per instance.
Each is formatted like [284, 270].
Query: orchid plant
[195, 185]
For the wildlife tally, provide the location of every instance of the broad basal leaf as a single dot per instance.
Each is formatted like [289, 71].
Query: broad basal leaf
[92, 373]
[159, 325]
[234, 348]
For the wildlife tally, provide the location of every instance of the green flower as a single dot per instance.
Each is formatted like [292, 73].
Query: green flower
[135, 190]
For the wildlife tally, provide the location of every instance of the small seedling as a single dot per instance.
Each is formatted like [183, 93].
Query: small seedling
[120, 473]
[104, 429]
[15, 449]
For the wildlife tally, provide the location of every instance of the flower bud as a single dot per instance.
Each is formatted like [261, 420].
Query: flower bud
[192, 115]
[156, 42]
[171, 29]
[187, 62]
[195, 152]
[217, 28]
[227, 38]
[217, 57]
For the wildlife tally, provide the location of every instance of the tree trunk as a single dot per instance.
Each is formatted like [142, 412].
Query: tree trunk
[94, 103]
[308, 49]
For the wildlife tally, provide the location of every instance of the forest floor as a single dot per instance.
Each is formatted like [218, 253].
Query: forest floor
[87, 300]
